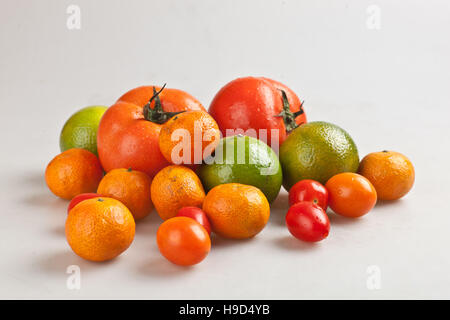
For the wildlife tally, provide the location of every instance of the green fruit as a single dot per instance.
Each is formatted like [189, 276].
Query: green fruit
[255, 164]
[80, 131]
[317, 151]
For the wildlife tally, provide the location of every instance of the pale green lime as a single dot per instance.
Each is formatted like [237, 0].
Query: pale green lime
[245, 160]
[80, 130]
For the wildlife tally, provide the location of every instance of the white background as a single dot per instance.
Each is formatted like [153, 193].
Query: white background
[389, 88]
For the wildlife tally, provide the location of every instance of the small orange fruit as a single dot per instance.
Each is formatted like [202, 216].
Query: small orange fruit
[236, 211]
[99, 229]
[391, 173]
[73, 172]
[175, 187]
[189, 137]
[350, 194]
[130, 187]
[183, 241]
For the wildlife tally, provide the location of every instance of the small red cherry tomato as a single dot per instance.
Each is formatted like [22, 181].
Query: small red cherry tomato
[307, 221]
[309, 190]
[81, 197]
[198, 215]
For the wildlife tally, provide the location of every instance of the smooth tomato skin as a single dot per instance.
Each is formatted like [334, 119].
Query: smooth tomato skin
[253, 103]
[126, 140]
[309, 190]
[183, 241]
[308, 222]
[197, 214]
[351, 195]
[81, 197]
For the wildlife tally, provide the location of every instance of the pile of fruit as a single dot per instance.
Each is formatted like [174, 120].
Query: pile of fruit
[215, 171]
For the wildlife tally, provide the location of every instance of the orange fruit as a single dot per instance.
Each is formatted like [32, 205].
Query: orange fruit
[130, 187]
[185, 137]
[236, 211]
[391, 173]
[73, 172]
[350, 194]
[183, 241]
[99, 229]
[175, 187]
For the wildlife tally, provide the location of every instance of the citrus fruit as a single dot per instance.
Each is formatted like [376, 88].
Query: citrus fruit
[391, 173]
[317, 151]
[175, 187]
[188, 136]
[351, 195]
[130, 187]
[183, 241]
[73, 172]
[99, 229]
[236, 210]
[245, 160]
[80, 130]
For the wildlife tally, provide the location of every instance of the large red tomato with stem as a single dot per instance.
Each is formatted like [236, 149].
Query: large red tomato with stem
[128, 134]
[257, 103]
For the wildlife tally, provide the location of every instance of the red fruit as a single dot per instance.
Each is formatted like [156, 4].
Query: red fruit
[257, 103]
[197, 214]
[309, 190]
[308, 222]
[81, 197]
[128, 134]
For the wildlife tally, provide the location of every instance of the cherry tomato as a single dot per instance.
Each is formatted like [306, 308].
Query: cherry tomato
[183, 241]
[81, 197]
[309, 190]
[351, 195]
[197, 214]
[308, 222]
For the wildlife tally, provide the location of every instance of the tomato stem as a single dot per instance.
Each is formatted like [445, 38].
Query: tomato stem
[157, 114]
[287, 115]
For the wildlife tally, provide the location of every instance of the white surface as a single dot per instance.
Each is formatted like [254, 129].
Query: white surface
[388, 88]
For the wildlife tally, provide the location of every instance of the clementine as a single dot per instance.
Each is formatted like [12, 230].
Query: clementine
[130, 187]
[73, 172]
[175, 187]
[236, 210]
[99, 229]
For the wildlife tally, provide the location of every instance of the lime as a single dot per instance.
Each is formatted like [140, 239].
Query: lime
[245, 160]
[80, 130]
[317, 151]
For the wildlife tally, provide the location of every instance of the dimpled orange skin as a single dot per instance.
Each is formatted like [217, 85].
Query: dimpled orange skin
[236, 211]
[391, 173]
[73, 172]
[130, 187]
[350, 194]
[207, 133]
[175, 187]
[183, 241]
[99, 229]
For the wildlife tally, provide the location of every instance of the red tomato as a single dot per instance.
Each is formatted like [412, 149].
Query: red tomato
[257, 103]
[307, 221]
[351, 195]
[183, 241]
[309, 190]
[81, 197]
[128, 133]
[197, 214]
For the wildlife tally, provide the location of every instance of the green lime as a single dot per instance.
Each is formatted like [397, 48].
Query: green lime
[244, 160]
[80, 130]
[317, 151]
